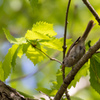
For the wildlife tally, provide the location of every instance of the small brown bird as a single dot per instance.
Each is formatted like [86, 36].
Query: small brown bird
[77, 49]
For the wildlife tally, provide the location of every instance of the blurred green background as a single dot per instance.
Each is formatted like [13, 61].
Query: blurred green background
[19, 16]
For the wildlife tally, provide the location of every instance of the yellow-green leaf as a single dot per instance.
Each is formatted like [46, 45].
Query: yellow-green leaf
[7, 63]
[11, 39]
[35, 55]
[40, 30]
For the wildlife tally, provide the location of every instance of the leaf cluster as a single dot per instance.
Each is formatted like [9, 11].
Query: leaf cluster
[34, 45]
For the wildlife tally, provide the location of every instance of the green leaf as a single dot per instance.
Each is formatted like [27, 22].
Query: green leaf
[35, 55]
[59, 81]
[44, 28]
[41, 30]
[26, 95]
[7, 63]
[82, 72]
[13, 62]
[32, 35]
[44, 90]
[75, 98]
[97, 57]
[11, 39]
[95, 73]
[42, 98]
[56, 84]
[1, 72]
[54, 43]
[22, 49]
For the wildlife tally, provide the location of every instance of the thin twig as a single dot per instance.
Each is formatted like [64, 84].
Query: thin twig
[86, 2]
[53, 59]
[76, 68]
[65, 31]
[64, 46]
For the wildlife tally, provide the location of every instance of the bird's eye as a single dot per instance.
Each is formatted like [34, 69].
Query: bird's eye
[63, 62]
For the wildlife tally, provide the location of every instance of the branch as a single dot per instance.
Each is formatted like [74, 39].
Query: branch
[65, 31]
[75, 69]
[8, 93]
[86, 2]
[64, 46]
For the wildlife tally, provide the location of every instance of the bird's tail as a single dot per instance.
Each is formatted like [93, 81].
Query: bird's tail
[88, 29]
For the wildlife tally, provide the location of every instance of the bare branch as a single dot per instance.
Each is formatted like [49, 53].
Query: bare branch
[65, 31]
[75, 69]
[86, 2]
[64, 46]
[8, 93]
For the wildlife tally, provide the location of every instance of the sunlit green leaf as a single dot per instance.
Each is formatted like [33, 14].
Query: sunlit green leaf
[7, 63]
[31, 35]
[11, 39]
[95, 73]
[41, 30]
[22, 49]
[13, 62]
[54, 44]
[44, 28]
[35, 55]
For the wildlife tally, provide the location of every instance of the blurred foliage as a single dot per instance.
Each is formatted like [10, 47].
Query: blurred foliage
[94, 72]
[18, 16]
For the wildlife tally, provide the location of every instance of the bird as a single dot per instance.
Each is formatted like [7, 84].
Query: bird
[77, 49]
